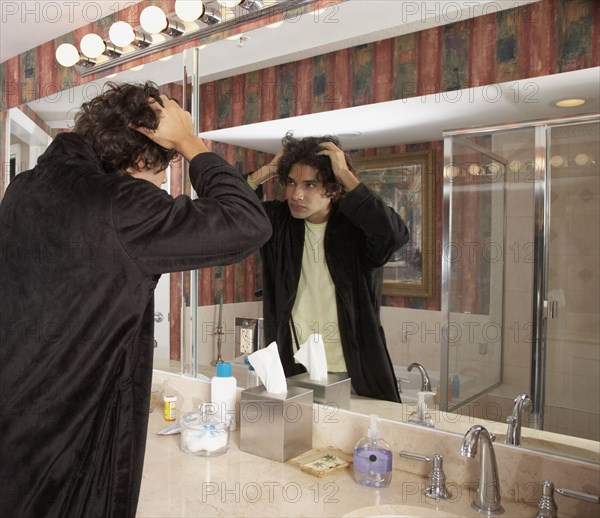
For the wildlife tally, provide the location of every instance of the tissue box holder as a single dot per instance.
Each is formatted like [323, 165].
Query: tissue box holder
[276, 426]
[335, 390]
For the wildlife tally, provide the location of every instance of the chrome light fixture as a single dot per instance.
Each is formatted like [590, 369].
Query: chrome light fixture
[158, 31]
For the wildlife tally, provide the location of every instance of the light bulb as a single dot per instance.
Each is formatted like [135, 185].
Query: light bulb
[153, 20]
[451, 171]
[121, 34]
[570, 103]
[557, 161]
[67, 55]
[494, 168]
[189, 10]
[474, 170]
[92, 46]
[582, 159]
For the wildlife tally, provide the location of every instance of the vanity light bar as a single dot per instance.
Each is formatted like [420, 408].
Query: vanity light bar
[175, 33]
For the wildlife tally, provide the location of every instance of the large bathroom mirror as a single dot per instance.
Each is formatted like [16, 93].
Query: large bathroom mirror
[252, 92]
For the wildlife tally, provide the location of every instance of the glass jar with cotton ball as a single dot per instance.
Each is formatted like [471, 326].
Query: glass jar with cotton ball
[203, 433]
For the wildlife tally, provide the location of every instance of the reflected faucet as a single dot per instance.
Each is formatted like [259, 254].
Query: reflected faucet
[514, 421]
[425, 383]
[487, 497]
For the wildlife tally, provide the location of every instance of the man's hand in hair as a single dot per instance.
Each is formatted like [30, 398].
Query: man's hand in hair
[175, 129]
[339, 165]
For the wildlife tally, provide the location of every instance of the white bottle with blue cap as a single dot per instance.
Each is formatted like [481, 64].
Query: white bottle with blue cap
[223, 391]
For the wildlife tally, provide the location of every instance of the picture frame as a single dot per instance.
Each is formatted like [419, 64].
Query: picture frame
[406, 182]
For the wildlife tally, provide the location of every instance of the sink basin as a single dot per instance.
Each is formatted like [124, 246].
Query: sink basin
[399, 511]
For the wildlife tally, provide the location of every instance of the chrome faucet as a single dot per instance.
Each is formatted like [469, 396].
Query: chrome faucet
[487, 497]
[425, 383]
[514, 421]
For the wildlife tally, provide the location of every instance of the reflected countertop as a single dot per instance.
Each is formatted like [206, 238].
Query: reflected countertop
[531, 438]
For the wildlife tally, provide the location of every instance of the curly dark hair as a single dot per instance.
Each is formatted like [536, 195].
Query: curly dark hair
[105, 124]
[306, 151]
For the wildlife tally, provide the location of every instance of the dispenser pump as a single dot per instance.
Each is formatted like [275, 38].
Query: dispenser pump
[373, 432]
[420, 415]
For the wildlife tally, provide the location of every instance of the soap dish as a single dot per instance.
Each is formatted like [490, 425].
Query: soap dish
[323, 461]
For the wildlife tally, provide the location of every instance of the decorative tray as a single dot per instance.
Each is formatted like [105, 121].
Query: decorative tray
[323, 461]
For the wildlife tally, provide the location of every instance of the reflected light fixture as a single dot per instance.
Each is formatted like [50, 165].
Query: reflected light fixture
[582, 159]
[158, 31]
[451, 171]
[475, 170]
[121, 34]
[188, 11]
[570, 102]
[557, 161]
[92, 46]
[67, 55]
[154, 21]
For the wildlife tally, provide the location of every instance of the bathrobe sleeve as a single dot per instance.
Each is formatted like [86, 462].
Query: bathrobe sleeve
[165, 234]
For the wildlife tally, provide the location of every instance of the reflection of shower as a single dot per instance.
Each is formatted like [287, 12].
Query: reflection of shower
[520, 244]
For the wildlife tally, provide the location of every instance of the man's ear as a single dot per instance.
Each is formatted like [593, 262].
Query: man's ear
[140, 165]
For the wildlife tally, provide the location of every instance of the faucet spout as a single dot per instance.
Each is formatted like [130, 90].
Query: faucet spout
[487, 497]
[515, 421]
[425, 382]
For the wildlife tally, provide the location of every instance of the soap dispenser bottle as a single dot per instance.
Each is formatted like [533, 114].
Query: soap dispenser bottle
[373, 458]
[420, 415]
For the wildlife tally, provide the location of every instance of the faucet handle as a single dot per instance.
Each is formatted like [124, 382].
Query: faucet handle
[436, 488]
[586, 497]
[547, 507]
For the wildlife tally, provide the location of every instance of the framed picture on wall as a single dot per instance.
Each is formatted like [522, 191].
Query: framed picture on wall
[406, 183]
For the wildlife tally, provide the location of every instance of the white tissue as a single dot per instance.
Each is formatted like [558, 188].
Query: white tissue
[267, 364]
[312, 355]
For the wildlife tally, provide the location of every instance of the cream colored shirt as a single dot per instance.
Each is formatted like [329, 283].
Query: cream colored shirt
[315, 308]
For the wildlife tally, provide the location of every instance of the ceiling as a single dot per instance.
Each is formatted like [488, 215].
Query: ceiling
[404, 121]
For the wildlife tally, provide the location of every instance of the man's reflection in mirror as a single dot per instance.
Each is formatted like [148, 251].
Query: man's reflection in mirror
[323, 266]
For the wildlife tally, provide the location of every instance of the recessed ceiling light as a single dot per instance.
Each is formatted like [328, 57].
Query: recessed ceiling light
[350, 134]
[569, 102]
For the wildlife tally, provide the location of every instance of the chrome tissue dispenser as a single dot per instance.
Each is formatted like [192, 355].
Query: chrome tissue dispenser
[276, 426]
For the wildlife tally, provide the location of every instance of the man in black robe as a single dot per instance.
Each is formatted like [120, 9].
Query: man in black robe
[323, 266]
[84, 240]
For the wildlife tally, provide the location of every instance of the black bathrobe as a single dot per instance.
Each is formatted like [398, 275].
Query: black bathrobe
[362, 234]
[81, 253]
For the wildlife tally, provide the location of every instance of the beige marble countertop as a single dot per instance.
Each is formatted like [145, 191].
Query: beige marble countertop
[176, 484]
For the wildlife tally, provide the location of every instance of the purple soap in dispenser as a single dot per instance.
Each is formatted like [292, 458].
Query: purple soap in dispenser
[373, 458]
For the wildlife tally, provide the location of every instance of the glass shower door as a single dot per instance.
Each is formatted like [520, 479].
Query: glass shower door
[573, 282]
[473, 262]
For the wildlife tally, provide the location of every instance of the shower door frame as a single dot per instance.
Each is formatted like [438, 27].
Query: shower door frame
[541, 308]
